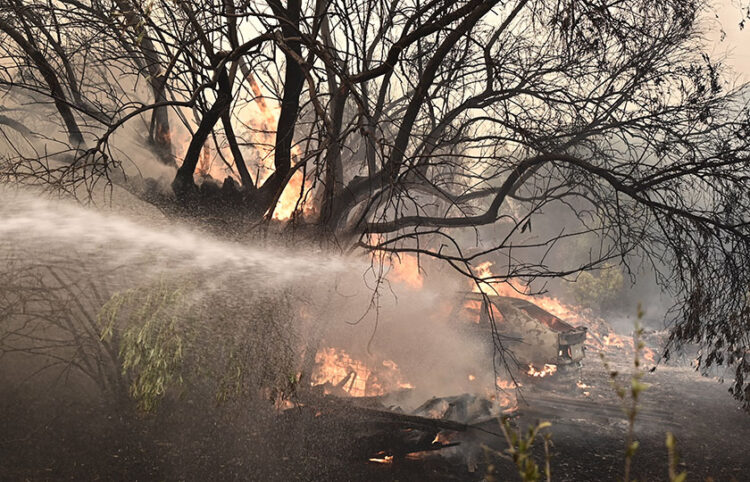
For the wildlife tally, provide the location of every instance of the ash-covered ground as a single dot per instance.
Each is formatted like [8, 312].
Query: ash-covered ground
[65, 436]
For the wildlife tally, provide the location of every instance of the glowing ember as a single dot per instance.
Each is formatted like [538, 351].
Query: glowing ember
[472, 378]
[505, 394]
[614, 340]
[546, 371]
[505, 384]
[382, 459]
[649, 354]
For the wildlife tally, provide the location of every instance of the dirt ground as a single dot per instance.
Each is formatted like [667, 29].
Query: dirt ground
[56, 438]
[713, 434]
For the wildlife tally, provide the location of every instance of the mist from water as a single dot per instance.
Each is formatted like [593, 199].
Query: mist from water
[345, 300]
[39, 225]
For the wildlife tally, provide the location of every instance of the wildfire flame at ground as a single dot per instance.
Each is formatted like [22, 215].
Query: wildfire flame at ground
[336, 368]
[548, 369]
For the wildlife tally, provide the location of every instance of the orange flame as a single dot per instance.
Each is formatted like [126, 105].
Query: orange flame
[599, 336]
[547, 370]
[382, 459]
[405, 269]
[505, 394]
[336, 368]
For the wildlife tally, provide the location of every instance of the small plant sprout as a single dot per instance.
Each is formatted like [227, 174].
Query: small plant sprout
[630, 395]
[519, 450]
[674, 459]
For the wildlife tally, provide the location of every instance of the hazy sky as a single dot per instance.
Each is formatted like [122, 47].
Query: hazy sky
[736, 44]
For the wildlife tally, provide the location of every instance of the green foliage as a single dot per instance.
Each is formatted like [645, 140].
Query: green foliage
[600, 290]
[519, 451]
[151, 343]
[248, 347]
[208, 342]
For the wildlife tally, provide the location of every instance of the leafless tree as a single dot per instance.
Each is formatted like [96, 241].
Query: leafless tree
[409, 125]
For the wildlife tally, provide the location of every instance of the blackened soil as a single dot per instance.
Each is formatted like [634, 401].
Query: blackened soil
[48, 437]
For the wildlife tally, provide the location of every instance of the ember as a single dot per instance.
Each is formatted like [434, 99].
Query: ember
[385, 459]
[547, 370]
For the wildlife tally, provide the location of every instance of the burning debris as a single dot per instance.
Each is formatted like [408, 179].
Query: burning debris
[336, 372]
[377, 407]
[536, 337]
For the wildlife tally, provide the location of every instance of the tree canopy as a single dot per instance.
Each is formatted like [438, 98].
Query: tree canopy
[406, 127]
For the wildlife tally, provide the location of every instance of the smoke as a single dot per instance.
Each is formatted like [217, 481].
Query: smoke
[381, 316]
[344, 302]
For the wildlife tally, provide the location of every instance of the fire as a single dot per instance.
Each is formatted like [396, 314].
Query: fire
[505, 384]
[599, 336]
[614, 340]
[257, 134]
[649, 354]
[290, 197]
[261, 127]
[472, 310]
[336, 368]
[204, 161]
[583, 387]
[405, 269]
[382, 458]
[505, 394]
[515, 289]
[547, 370]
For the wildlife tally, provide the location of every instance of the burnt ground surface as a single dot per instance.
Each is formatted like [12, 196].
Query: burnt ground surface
[54, 438]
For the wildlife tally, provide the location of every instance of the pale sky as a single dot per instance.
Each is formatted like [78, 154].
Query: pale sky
[736, 44]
